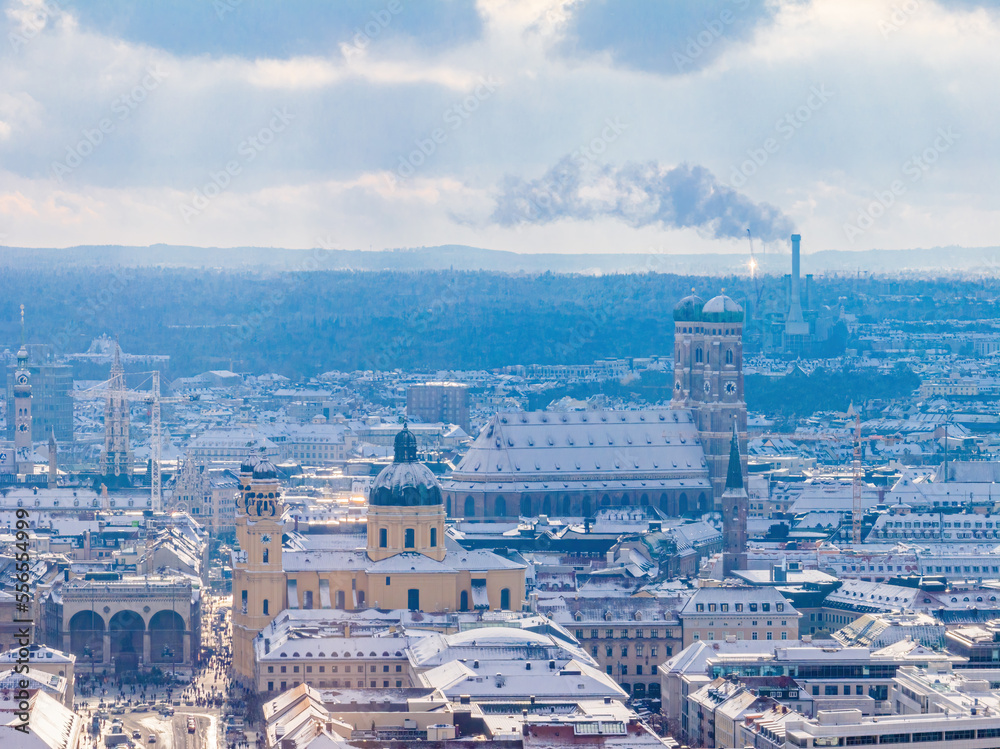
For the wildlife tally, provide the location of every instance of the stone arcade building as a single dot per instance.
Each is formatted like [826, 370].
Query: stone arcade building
[123, 625]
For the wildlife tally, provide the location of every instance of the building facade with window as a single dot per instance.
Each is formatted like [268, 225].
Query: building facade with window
[742, 613]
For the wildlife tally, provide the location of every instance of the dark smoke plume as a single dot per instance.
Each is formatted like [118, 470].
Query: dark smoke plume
[639, 194]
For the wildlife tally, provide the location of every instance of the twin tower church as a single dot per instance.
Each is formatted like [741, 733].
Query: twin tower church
[684, 460]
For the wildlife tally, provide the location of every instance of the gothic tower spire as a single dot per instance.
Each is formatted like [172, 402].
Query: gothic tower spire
[734, 511]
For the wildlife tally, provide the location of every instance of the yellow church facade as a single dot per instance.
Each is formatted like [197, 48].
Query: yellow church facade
[404, 560]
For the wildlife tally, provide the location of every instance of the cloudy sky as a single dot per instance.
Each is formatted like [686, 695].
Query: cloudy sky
[526, 125]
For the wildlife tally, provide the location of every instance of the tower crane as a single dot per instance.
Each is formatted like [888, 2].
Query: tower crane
[153, 398]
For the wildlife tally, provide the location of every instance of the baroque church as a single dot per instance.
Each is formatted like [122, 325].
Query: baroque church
[402, 560]
[571, 464]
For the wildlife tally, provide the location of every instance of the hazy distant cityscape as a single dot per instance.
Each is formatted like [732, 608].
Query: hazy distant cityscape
[547, 373]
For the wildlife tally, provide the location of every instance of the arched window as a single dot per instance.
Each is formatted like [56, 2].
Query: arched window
[644, 500]
[682, 504]
[729, 356]
[505, 599]
[697, 356]
[383, 538]
[664, 504]
[448, 507]
[409, 538]
[547, 505]
[703, 503]
[434, 538]
[265, 607]
[500, 507]
[625, 500]
[526, 506]
[470, 507]
[585, 507]
[605, 501]
[463, 601]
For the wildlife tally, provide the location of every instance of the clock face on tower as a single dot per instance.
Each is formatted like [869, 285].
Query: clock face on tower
[266, 539]
[22, 379]
[22, 427]
[730, 387]
[708, 386]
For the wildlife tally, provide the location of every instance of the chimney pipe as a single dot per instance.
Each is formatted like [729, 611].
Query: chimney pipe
[795, 305]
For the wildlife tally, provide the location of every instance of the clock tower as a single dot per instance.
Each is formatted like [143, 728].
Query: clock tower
[22, 413]
[258, 577]
[708, 379]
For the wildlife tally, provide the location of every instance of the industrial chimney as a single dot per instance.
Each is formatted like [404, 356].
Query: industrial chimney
[795, 323]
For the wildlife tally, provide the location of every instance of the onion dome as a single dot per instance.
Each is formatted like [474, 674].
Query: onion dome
[689, 308]
[264, 470]
[406, 482]
[722, 309]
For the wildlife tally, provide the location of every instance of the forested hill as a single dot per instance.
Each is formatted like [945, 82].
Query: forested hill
[304, 323]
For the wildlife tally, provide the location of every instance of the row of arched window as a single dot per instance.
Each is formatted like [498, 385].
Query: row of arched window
[677, 505]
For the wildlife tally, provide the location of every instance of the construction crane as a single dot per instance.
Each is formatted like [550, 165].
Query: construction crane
[153, 398]
[858, 513]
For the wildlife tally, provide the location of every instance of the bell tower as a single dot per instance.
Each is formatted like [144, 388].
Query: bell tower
[708, 378]
[258, 578]
[22, 410]
[734, 512]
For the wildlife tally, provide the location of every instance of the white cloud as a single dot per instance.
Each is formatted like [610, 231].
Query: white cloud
[359, 109]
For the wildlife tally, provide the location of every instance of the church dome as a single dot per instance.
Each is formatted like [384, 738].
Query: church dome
[265, 470]
[722, 309]
[405, 483]
[689, 308]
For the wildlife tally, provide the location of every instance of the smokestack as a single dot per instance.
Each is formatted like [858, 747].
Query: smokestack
[795, 306]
